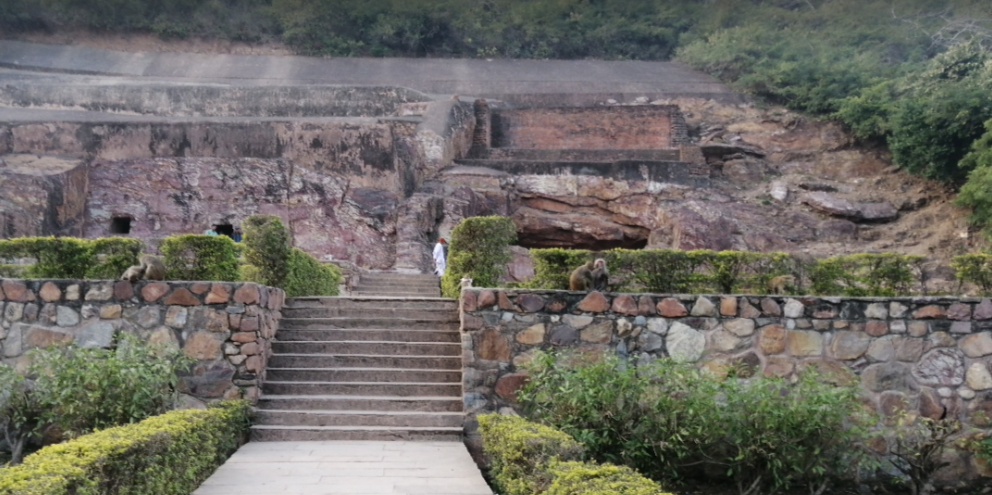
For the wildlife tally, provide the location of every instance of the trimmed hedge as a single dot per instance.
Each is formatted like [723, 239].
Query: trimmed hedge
[974, 268]
[164, 455]
[73, 258]
[531, 459]
[672, 271]
[309, 277]
[200, 257]
[480, 250]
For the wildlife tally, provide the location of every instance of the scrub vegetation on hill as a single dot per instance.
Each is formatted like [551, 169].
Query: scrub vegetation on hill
[914, 76]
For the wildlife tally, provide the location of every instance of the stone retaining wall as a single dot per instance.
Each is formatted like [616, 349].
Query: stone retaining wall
[920, 354]
[225, 326]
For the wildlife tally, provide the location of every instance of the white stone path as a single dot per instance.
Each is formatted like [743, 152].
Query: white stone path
[348, 467]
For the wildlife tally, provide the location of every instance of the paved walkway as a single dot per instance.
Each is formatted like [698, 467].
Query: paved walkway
[345, 467]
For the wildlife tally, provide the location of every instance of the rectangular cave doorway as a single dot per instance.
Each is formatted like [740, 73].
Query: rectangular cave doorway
[120, 225]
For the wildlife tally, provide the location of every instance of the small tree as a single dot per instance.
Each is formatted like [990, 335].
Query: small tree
[267, 248]
[480, 249]
[21, 411]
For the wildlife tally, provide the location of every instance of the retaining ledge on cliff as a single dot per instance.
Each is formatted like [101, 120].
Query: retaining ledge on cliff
[227, 327]
[915, 354]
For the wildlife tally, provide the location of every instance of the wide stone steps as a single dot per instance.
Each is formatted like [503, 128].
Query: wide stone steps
[398, 285]
[365, 367]
[359, 403]
[340, 322]
[365, 361]
[286, 433]
[362, 374]
[381, 348]
[398, 389]
[369, 334]
[360, 418]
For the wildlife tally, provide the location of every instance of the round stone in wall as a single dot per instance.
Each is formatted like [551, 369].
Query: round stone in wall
[685, 344]
[940, 367]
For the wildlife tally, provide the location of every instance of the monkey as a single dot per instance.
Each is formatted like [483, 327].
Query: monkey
[591, 276]
[154, 268]
[778, 284]
[465, 283]
[134, 273]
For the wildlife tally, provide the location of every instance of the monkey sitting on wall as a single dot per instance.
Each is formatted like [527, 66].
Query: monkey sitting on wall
[778, 285]
[465, 282]
[591, 276]
[151, 268]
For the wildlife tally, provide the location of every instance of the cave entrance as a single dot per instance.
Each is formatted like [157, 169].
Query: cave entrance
[224, 229]
[120, 225]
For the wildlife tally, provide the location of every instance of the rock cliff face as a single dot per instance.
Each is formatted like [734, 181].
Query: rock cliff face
[378, 183]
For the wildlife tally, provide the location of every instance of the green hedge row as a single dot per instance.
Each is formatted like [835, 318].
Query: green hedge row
[72, 258]
[733, 272]
[532, 459]
[200, 257]
[167, 454]
[480, 250]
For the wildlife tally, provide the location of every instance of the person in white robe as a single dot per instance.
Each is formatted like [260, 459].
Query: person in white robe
[440, 263]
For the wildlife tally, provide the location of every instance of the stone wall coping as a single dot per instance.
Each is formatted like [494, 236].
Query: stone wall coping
[692, 297]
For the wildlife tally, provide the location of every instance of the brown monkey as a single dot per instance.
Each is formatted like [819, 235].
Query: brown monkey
[134, 273]
[154, 268]
[778, 284]
[590, 276]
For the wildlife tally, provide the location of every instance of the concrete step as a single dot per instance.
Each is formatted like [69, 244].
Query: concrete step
[379, 312]
[260, 433]
[372, 302]
[402, 389]
[397, 419]
[360, 403]
[380, 348]
[391, 293]
[383, 323]
[398, 276]
[336, 360]
[400, 282]
[362, 375]
[369, 335]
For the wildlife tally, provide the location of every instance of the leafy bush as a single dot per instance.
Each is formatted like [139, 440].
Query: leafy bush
[168, 454]
[520, 452]
[479, 249]
[266, 241]
[22, 412]
[200, 257]
[975, 268]
[309, 277]
[84, 389]
[866, 274]
[672, 421]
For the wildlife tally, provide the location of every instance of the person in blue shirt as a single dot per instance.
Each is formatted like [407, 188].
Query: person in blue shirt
[237, 234]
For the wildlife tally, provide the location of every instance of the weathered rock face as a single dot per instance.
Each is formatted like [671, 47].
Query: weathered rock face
[41, 195]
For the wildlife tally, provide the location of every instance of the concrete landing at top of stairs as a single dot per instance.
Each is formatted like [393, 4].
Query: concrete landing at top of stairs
[346, 468]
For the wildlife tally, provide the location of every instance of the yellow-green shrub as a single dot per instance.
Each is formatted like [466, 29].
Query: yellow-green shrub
[975, 268]
[163, 455]
[521, 451]
[552, 266]
[200, 257]
[586, 478]
[866, 274]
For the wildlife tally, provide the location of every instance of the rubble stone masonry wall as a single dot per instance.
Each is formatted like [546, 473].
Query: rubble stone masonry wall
[226, 327]
[620, 127]
[919, 354]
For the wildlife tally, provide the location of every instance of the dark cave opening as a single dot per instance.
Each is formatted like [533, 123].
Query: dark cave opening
[120, 225]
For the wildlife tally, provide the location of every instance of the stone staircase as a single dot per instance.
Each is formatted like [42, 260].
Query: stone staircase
[363, 368]
[389, 284]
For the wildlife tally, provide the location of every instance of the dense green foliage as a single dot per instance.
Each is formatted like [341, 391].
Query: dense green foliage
[86, 389]
[479, 249]
[532, 459]
[867, 274]
[974, 268]
[22, 412]
[69, 257]
[267, 247]
[672, 421]
[200, 257]
[309, 277]
[170, 454]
